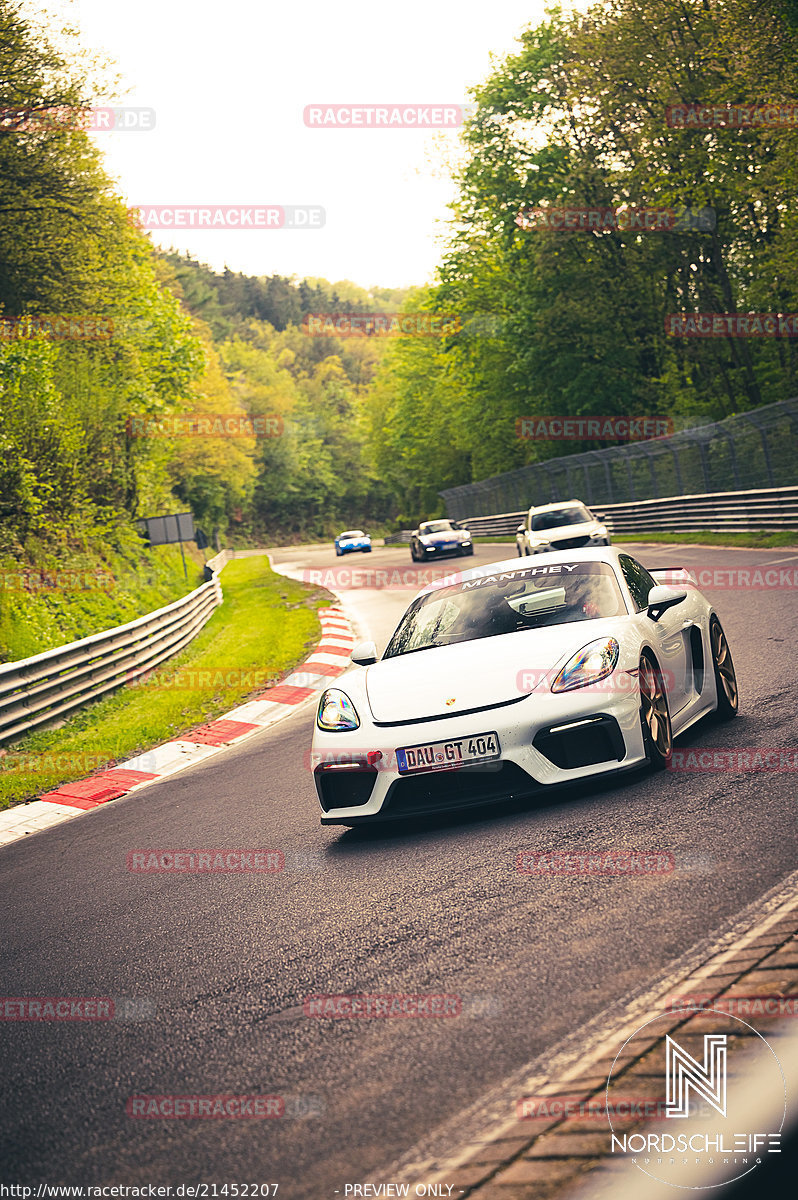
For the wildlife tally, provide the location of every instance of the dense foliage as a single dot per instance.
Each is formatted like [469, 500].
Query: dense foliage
[577, 118]
[373, 428]
[75, 469]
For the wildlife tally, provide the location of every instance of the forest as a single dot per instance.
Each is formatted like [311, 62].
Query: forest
[572, 322]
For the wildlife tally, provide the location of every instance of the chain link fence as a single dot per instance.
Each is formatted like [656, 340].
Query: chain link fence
[756, 449]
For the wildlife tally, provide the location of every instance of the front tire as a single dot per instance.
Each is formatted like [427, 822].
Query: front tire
[655, 717]
[725, 675]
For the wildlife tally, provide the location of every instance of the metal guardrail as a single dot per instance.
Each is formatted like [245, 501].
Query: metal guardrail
[720, 512]
[393, 539]
[39, 690]
[217, 563]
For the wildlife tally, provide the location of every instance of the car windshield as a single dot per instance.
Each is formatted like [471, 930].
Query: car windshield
[561, 516]
[353, 533]
[529, 597]
[436, 527]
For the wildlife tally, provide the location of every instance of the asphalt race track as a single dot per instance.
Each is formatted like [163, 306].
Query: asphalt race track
[221, 963]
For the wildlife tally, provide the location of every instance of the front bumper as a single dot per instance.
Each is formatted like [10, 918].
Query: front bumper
[546, 740]
[441, 551]
[352, 548]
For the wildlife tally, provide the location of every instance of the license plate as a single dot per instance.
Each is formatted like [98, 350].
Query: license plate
[445, 756]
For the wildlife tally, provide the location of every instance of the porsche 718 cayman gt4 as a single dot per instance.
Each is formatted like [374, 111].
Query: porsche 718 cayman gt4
[506, 679]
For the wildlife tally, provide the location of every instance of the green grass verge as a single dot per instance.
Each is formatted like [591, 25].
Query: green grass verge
[50, 601]
[763, 539]
[265, 626]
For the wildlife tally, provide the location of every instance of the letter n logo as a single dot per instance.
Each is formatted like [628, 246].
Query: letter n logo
[683, 1073]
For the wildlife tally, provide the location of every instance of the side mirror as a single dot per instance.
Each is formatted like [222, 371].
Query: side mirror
[661, 598]
[520, 529]
[365, 654]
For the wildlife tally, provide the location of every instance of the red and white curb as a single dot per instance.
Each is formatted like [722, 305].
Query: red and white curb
[328, 660]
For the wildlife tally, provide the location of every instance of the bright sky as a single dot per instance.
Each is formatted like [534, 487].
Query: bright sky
[229, 82]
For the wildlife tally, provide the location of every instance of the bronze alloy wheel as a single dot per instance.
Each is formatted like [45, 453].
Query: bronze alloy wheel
[655, 714]
[725, 675]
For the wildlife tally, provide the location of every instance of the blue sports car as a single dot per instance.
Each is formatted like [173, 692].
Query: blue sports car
[353, 539]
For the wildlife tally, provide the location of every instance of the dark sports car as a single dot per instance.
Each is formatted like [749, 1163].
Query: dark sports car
[435, 538]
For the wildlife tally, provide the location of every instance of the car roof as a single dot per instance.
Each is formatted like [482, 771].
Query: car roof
[541, 508]
[607, 554]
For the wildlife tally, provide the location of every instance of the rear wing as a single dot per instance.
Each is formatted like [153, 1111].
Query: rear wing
[674, 576]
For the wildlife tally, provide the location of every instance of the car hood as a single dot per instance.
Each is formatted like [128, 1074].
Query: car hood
[451, 535]
[562, 532]
[475, 674]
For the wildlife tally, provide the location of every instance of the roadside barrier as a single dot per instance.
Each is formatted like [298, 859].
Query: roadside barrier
[42, 689]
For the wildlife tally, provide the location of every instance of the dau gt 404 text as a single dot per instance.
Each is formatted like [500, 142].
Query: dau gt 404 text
[514, 677]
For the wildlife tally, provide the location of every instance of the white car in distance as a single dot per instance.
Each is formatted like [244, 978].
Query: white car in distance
[568, 525]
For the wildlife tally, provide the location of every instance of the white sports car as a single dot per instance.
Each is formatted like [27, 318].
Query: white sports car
[506, 679]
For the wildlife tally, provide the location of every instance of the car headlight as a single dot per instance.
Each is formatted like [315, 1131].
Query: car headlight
[593, 662]
[336, 712]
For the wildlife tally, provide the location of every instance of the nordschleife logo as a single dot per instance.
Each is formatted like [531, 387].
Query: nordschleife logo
[683, 1073]
[715, 1098]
